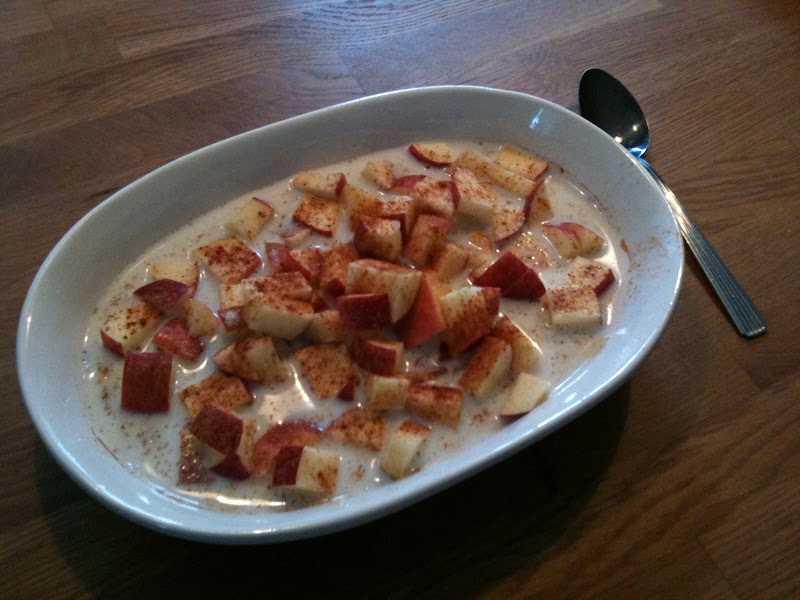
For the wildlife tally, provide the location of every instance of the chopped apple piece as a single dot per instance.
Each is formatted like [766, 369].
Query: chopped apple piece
[296, 237]
[370, 276]
[404, 184]
[358, 427]
[380, 173]
[284, 318]
[252, 217]
[468, 312]
[277, 255]
[527, 393]
[320, 214]
[360, 312]
[229, 260]
[439, 403]
[591, 273]
[327, 368]
[317, 184]
[379, 238]
[450, 261]
[173, 337]
[220, 389]
[472, 199]
[426, 239]
[277, 437]
[232, 319]
[538, 207]
[437, 155]
[359, 203]
[219, 429]
[434, 197]
[403, 447]
[165, 294]
[305, 470]
[425, 319]
[571, 239]
[307, 262]
[326, 328]
[252, 358]
[523, 351]
[488, 366]
[146, 381]
[127, 329]
[386, 393]
[507, 222]
[573, 307]
[185, 271]
[190, 464]
[382, 357]
[521, 163]
[335, 263]
[401, 208]
[200, 319]
[513, 277]
[517, 184]
[290, 284]
[232, 294]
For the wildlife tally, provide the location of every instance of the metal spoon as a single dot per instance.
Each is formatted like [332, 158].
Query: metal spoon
[608, 104]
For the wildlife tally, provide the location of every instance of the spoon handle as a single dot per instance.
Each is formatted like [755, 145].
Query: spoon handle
[745, 315]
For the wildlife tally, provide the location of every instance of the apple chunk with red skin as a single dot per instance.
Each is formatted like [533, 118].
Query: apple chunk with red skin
[590, 273]
[403, 447]
[471, 198]
[427, 238]
[306, 470]
[269, 445]
[335, 264]
[220, 389]
[386, 392]
[284, 318]
[126, 329]
[165, 294]
[572, 239]
[513, 277]
[370, 276]
[219, 429]
[439, 403]
[324, 186]
[185, 271]
[229, 260]
[382, 357]
[359, 312]
[403, 209]
[173, 337]
[424, 320]
[524, 354]
[146, 381]
[506, 223]
[358, 427]
[253, 358]
[320, 214]
[380, 173]
[404, 184]
[488, 366]
[468, 312]
[252, 217]
[359, 203]
[437, 155]
[327, 368]
[434, 197]
[379, 238]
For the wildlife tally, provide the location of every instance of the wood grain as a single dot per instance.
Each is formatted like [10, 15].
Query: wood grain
[682, 484]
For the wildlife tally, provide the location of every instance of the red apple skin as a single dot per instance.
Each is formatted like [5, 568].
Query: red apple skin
[146, 381]
[173, 337]
[605, 283]
[422, 158]
[527, 287]
[164, 294]
[406, 182]
[111, 344]
[376, 356]
[286, 464]
[348, 392]
[269, 445]
[340, 185]
[277, 256]
[424, 320]
[220, 429]
[232, 467]
[502, 272]
[364, 311]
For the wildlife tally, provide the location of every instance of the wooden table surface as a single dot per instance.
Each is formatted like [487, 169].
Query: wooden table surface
[683, 484]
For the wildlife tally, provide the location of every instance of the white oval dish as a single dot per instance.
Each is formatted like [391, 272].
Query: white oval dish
[80, 268]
